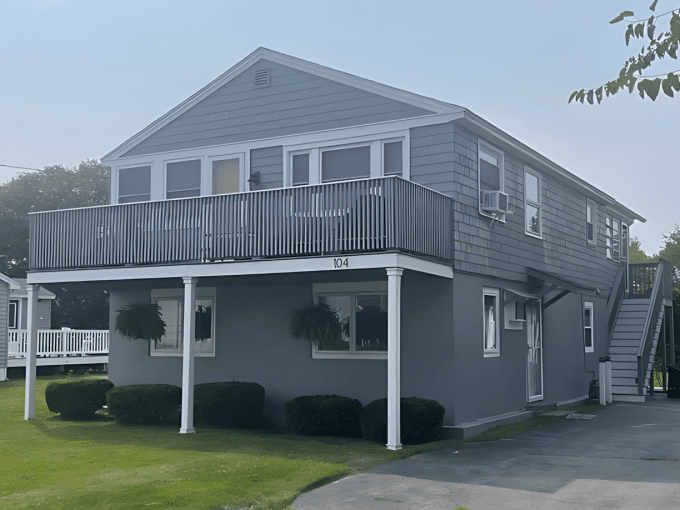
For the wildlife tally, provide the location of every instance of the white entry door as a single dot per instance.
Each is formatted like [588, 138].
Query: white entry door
[534, 351]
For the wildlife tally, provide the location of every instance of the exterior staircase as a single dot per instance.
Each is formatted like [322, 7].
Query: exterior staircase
[625, 343]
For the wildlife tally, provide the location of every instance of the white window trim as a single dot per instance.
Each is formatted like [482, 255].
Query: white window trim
[588, 305]
[201, 292]
[179, 160]
[490, 150]
[316, 149]
[115, 179]
[528, 170]
[17, 317]
[492, 353]
[616, 240]
[593, 213]
[207, 172]
[353, 288]
[608, 248]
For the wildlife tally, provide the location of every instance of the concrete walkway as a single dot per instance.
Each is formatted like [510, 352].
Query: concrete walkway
[627, 457]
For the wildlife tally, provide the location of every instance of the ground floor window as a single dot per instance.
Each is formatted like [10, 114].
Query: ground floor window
[171, 303]
[491, 329]
[13, 320]
[588, 326]
[362, 310]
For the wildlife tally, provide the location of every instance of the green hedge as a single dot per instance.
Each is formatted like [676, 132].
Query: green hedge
[145, 403]
[77, 399]
[229, 404]
[421, 421]
[324, 415]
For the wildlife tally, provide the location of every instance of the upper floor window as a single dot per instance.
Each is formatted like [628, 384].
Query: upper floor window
[300, 169]
[345, 164]
[226, 176]
[590, 222]
[490, 178]
[608, 237]
[134, 184]
[183, 179]
[393, 158]
[616, 239]
[532, 203]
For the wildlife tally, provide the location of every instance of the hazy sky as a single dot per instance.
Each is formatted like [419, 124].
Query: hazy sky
[79, 78]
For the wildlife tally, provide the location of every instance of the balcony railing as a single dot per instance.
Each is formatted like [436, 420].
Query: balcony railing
[55, 342]
[642, 279]
[383, 214]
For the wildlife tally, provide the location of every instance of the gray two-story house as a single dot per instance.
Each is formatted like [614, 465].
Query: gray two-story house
[496, 277]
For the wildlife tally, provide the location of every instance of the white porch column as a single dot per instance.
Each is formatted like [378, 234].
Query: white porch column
[31, 351]
[394, 358]
[188, 337]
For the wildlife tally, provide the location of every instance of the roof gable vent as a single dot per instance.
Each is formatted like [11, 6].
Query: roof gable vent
[262, 79]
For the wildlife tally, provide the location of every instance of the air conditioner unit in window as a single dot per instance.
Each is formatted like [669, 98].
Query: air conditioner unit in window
[494, 201]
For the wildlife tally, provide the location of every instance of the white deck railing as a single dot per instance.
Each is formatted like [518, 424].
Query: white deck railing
[57, 342]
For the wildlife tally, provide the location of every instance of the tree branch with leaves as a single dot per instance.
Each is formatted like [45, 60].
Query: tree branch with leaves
[659, 45]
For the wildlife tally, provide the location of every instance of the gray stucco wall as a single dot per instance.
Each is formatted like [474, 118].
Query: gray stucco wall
[44, 313]
[254, 344]
[269, 162]
[295, 102]
[4, 312]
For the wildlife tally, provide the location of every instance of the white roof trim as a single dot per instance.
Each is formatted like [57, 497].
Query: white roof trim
[476, 123]
[403, 96]
[12, 284]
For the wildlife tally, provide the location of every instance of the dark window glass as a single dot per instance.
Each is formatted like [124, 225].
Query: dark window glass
[393, 158]
[489, 176]
[134, 184]
[342, 164]
[371, 323]
[300, 169]
[13, 318]
[184, 179]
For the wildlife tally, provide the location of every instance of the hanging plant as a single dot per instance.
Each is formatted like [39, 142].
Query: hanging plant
[317, 323]
[141, 321]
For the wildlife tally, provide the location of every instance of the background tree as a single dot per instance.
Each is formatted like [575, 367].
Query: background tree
[658, 45]
[636, 254]
[56, 187]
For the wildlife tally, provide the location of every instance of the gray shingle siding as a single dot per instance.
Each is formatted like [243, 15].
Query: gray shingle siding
[269, 162]
[296, 102]
[506, 250]
[44, 313]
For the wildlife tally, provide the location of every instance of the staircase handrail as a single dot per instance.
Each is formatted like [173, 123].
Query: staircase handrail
[647, 333]
[614, 301]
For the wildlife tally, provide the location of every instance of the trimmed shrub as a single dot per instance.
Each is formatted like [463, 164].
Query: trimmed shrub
[324, 415]
[77, 399]
[229, 404]
[421, 421]
[145, 402]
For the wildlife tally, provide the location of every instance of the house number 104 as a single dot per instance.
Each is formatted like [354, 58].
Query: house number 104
[340, 263]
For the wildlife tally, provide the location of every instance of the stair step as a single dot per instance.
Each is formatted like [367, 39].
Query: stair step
[623, 350]
[626, 358]
[628, 398]
[621, 365]
[625, 335]
[624, 373]
[632, 315]
[631, 322]
[625, 342]
[624, 381]
[629, 328]
[636, 301]
[624, 390]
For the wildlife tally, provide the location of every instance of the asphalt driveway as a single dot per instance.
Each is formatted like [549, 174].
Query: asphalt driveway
[627, 457]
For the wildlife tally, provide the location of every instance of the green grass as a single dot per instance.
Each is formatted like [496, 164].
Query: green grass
[53, 463]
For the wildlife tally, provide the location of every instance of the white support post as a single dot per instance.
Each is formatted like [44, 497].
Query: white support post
[608, 371]
[31, 351]
[603, 382]
[188, 337]
[394, 358]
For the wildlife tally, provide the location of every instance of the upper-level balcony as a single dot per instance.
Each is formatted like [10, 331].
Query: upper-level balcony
[383, 214]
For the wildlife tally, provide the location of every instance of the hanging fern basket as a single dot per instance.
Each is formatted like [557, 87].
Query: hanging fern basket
[141, 321]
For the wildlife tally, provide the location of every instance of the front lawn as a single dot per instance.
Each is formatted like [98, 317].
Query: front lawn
[52, 463]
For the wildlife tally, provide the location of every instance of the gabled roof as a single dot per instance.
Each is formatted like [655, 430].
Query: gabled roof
[438, 107]
[21, 291]
[13, 284]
